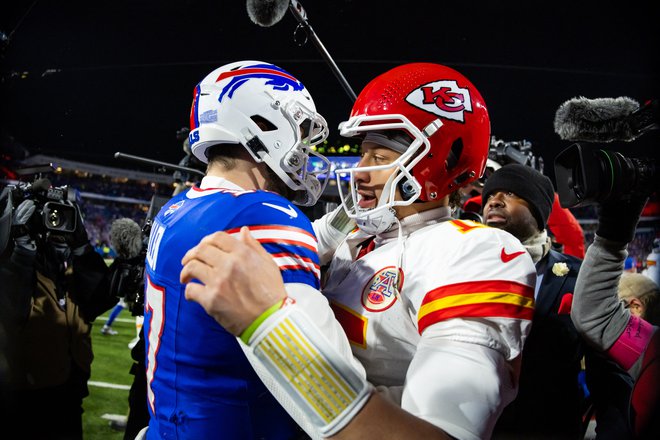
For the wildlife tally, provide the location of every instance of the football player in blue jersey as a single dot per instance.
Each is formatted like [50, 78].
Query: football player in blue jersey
[254, 125]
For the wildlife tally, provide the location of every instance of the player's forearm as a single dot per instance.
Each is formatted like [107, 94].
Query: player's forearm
[370, 423]
[310, 376]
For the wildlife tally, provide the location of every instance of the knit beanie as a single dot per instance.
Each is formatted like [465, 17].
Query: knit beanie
[528, 184]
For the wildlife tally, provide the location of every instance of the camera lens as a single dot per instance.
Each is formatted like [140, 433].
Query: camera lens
[54, 219]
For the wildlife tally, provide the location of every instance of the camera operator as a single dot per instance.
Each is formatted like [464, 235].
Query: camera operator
[59, 285]
[620, 186]
[606, 323]
[130, 242]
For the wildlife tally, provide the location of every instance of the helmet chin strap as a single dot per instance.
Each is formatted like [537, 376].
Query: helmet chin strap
[379, 219]
[376, 224]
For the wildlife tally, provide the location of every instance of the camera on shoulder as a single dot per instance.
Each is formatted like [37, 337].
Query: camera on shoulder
[55, 206]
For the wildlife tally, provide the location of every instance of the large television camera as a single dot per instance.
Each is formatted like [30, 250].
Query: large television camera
[587, 174]
[55, 207]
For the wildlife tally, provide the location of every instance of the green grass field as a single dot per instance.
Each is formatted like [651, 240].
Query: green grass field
[110, 381]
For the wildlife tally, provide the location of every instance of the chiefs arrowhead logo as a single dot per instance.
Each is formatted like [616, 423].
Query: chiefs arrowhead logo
[380, 292]
[443, 98]
[508, 257]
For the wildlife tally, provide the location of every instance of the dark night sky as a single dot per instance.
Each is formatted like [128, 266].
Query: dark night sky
[118, 75]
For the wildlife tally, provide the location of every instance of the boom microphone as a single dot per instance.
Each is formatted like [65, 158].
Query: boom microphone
[266, 13]
[126, 238]
[605, 119]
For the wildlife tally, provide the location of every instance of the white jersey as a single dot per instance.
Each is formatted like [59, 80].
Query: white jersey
[448, 340]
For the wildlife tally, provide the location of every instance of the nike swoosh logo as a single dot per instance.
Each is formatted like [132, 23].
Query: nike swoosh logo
[508, 257]
[290, 211]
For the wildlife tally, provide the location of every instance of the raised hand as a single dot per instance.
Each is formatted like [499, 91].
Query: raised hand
[234, 280]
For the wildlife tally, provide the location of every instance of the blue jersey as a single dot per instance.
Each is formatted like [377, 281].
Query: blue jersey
[199, 383]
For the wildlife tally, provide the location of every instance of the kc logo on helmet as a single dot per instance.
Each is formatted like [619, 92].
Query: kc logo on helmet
[443, 98]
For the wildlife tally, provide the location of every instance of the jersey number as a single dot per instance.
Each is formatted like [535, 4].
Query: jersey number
[155, 307]
[465, 226]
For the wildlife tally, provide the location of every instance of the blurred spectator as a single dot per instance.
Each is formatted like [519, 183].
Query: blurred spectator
[116, 310]
[652, 271]
[641, 296]
[629, 265]
[566, 229]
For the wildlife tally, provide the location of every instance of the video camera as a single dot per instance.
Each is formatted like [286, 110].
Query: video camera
[587, 174]
[56, 209]
[519, 152]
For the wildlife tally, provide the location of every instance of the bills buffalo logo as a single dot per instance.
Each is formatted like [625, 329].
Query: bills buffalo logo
[173, 207]
[381, 291]
[443, 98]
[277, 78]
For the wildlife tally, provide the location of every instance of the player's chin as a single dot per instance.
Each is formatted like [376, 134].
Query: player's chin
[496, 223]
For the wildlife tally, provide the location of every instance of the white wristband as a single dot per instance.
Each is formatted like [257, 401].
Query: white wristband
[321, 383]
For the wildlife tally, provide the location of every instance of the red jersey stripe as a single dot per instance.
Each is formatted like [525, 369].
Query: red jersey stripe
[479, 287]
[492, 298]
[354, 325]
[272, 227]
[494, 310]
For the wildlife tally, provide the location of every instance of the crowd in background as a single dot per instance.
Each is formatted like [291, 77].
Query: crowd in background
[100, 213]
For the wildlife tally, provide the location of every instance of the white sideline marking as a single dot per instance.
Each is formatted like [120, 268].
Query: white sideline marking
[114, 417]
[102, 319]
[108, 385]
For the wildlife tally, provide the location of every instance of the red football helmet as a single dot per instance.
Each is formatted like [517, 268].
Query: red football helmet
[445, 116]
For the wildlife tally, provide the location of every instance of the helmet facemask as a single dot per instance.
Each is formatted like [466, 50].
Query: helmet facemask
[292, 165]
[383, 216]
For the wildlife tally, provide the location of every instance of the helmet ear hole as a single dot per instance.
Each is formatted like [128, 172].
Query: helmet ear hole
[454, 154]
[407, 189]
[263, 123]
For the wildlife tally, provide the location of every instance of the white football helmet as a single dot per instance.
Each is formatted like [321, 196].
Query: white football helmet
[231, 102]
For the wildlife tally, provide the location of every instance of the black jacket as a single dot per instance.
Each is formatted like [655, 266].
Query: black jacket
[550, 400]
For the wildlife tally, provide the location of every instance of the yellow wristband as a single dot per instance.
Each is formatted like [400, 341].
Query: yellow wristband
[249, 331]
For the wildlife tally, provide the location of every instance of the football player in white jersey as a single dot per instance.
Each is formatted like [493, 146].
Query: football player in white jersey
[436, 309]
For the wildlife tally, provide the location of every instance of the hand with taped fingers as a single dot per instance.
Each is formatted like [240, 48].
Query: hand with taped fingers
[239, 279]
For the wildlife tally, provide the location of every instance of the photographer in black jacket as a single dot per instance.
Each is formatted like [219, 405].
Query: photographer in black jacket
[57, 285]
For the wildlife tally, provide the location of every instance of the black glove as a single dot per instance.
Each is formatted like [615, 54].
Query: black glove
[617, 220]
[19, 221]
[78, 239]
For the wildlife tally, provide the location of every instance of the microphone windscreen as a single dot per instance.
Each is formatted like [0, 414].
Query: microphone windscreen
[595, 120]
[40, 185]
[126, 238]
[266, 13]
